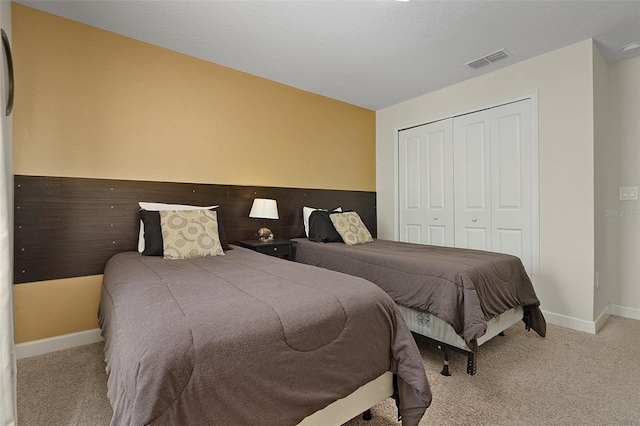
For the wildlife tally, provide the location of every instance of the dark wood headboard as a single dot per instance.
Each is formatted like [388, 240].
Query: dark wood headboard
[70, 227]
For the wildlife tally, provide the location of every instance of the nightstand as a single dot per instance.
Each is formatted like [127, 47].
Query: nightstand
[279, 248]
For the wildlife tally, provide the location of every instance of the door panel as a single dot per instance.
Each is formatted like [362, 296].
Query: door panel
[474, 172]
[411, 203]
[511, 181]
[426, 184]
[472, 182]
[413, 233]
[413, 176]
[476, 238]
[507, 163]
[437, 235]
[508, 241]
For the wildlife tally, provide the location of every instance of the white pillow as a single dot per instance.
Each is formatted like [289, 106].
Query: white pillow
[162, 206]
[306, 212]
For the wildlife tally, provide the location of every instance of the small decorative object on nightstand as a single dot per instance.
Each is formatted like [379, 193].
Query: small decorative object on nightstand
[264, 208]
[279, 248]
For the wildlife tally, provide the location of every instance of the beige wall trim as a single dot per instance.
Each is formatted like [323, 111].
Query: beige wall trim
[57, 343]
[592, 327]
[625, 312]
[570, 322]
[603, 317]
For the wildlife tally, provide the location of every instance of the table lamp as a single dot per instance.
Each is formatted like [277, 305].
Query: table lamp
[264, 208]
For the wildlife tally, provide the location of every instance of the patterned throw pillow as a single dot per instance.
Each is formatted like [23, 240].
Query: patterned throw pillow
[351, 229]
[190, 233]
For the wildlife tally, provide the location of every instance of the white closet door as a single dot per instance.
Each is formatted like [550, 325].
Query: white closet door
[468, 182]
[511, 181]
[472, 183]
[426, 184]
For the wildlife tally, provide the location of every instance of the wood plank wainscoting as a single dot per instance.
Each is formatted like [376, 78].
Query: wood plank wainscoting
[70, 227]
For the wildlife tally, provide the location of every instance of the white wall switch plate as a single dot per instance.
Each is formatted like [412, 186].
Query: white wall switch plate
[628, 193]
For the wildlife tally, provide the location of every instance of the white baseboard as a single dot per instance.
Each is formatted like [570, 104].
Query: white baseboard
[622, 311]
[570, 322]
[591, 326]
[57, 343]
[602, 318]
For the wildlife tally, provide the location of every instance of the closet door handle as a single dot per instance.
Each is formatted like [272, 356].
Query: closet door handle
[474, 219]
[7, 49]
[435, 218]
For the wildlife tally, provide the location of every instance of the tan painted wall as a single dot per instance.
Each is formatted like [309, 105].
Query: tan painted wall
[52, 308]
[95, 104]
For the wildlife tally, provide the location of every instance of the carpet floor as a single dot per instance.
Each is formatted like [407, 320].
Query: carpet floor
[568, 378]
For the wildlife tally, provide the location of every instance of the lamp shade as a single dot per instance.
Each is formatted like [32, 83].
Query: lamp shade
[264, 208]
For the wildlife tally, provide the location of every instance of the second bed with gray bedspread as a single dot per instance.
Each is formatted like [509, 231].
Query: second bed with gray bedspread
[464, 288]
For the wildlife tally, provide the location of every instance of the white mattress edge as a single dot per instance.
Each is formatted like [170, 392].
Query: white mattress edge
[431, 326]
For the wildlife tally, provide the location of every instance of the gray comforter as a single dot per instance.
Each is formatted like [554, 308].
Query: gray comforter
[464, 288]
[247, 339]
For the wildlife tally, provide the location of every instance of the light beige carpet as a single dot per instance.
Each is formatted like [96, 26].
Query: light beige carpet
[568, 378]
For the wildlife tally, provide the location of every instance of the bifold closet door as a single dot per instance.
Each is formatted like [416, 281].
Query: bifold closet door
[512, 181]
[467, 182]
[426, 184]
[472, 184]
[493, 180]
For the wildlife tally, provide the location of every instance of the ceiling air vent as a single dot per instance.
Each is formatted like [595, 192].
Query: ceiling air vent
[496, 56]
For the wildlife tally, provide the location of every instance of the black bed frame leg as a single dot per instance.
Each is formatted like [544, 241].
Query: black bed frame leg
[366, 415]
[527, 320]
[396, 395]
[445, 366]
[471, 364]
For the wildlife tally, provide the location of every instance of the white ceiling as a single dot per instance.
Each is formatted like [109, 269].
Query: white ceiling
[368, 53]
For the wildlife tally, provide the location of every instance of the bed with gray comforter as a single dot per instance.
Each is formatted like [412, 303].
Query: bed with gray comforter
[465, 288]
[247, 338]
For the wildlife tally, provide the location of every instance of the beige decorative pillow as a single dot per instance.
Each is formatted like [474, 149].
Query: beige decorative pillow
[351, 229]
[190, 233]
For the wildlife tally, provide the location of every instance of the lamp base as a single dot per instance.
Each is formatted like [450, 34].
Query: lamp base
[265, 234]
